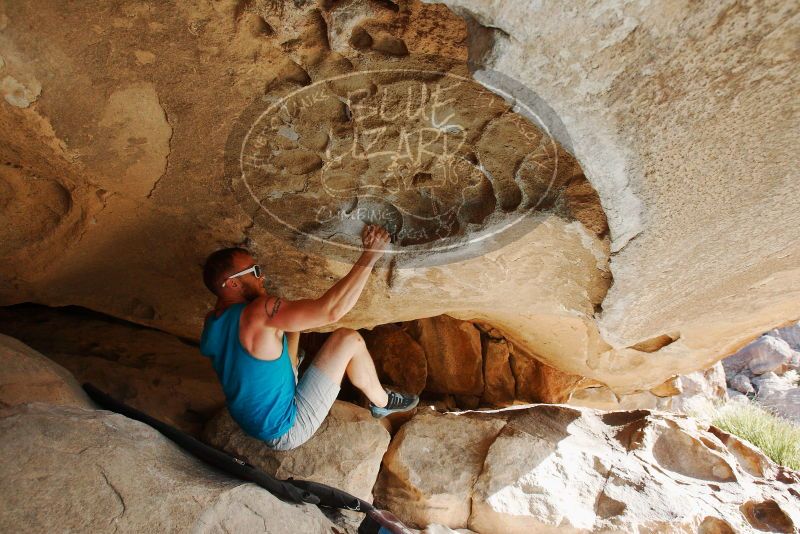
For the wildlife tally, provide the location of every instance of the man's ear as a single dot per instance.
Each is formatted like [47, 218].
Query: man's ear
[232, 284]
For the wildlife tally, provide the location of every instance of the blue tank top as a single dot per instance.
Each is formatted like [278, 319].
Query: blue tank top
[259, 393]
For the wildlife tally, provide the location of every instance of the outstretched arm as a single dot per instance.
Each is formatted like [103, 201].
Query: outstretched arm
[341, 298]
[297, 315]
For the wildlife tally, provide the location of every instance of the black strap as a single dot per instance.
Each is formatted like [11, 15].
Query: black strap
[230, 464]
[296, 491]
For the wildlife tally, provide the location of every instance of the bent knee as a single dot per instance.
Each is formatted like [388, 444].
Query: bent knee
[347, 334]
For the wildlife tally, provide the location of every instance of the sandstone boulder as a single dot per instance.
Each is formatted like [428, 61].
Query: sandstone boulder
[86, 168]
[28, 376]
[709, 383]
[669, 388]
[765, 354]
[67, 469]
[399, 359]
[790, 334]
[552, 468]
[643, 400]
[750, 458]
[500, 385]
[538, 382]
[422, 483]
[779, 394]
[345, 452]
[453, 354]
[602, 398]
[155, 372]
[774, 362]
[508, 373]
[737, 396]
[742, 384]
[696, 393]
[676, 259]
[701, 391]
[599, 398]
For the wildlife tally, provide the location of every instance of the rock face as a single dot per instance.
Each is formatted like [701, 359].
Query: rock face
[453, 355]
[472, 362]
[551, 468]
[538, 382]
[27, 376]
[399, 359]
[536, 468]
[742, 384]
[499, 380]
[695, 393]
[767, 353]
[152, 371]
[700, 390]
[442, 483]
[629, 100]
[345, 452]
[121, 140]
[113, 161]
[64, 468]
[168, 378]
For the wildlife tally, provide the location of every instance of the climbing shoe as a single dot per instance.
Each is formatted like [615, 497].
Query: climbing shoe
[398, 402]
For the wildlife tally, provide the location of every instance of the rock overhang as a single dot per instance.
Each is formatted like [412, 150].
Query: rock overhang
[548, 290]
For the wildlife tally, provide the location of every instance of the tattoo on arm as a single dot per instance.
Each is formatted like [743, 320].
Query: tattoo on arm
[275, 308]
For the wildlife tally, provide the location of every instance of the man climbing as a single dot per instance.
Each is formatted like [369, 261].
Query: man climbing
[252, 338]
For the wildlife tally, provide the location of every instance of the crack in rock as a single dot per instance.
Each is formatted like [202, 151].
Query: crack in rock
[119, 496]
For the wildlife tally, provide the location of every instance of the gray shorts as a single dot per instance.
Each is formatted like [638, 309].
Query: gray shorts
[314, 397]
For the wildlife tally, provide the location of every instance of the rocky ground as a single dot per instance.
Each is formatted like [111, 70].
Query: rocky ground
[519, 468]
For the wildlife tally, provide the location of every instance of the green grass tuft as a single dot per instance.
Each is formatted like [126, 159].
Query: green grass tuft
[778, 438]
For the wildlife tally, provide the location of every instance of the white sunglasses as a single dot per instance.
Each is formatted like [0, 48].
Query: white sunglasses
[255, 269]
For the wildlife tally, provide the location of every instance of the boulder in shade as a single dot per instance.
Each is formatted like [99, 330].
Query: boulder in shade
[345, 452]
[28, 376]
[453, 352]
[69, 469]
[538, 382]
[399, 359]
[500, 388]
[790, 334]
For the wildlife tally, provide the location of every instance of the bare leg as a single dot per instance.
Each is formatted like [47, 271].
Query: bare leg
[345, 352]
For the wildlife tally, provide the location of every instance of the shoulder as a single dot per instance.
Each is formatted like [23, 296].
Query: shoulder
[262, 310]
[264, 307]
